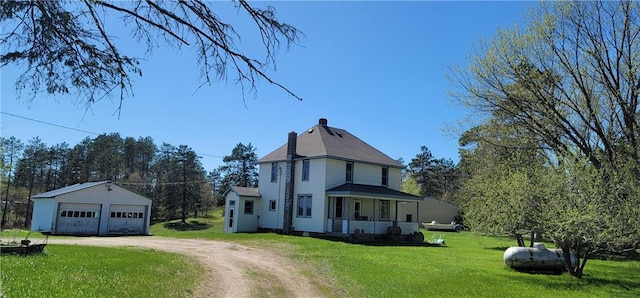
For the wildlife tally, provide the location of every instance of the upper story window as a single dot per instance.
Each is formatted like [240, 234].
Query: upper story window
[274, 172]
[349, 172]
[385, 176]
[305, 170]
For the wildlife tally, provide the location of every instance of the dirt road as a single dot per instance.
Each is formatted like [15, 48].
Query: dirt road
[232, 270]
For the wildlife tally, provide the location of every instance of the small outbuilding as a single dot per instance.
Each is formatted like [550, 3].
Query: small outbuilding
[431, 210]
[241, 209]
[91, 208]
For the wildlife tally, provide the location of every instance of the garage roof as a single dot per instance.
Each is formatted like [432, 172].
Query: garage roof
[68, 189]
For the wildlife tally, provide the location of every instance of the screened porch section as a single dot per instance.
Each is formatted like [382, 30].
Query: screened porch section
[371, 209]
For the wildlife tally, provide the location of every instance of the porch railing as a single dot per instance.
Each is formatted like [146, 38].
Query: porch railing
[373, 227]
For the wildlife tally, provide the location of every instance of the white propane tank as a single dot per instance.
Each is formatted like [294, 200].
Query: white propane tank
[536, 258]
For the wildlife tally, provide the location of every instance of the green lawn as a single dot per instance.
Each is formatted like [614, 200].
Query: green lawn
[82, 271]
[469, 266]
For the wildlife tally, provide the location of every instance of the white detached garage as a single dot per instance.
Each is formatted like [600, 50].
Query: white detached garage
[91, 208]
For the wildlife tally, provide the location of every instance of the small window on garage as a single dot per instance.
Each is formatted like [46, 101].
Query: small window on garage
[83, 214]
[113, 214]
[248, 207]
[76, 213]
[63, 214]
[140, 215]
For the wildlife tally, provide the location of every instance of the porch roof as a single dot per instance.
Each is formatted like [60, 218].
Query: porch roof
[370, 191]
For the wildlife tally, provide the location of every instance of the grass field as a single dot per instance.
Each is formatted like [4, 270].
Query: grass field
[469, 266]
[81, 271]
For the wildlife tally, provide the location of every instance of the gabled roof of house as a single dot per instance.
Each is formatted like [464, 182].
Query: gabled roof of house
[71, 188]
[246, 191]
[371, 191]
[322, 140]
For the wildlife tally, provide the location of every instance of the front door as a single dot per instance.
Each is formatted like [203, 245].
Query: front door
[230, 222]
[337, 215]
[357, 208]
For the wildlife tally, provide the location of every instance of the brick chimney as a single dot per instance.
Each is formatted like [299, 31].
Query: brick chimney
[289, 194]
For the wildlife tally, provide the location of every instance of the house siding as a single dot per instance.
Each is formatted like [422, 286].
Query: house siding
[335, 172]
[271, 191]
[367, 174]
[395, 178]
[314, 187]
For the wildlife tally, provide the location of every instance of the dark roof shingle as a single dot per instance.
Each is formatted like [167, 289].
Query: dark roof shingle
[372, 191]
[246, 191]
[331, 142]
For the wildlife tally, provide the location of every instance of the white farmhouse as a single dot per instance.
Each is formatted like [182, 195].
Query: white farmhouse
[324, 180]
[91, 208]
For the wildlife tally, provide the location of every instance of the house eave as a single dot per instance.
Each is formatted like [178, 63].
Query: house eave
[371, 192]
[300, 157]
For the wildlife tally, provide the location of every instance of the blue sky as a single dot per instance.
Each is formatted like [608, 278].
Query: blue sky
[376, 69]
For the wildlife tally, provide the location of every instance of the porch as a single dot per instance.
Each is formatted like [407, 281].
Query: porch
[370, 227]
[371, 209]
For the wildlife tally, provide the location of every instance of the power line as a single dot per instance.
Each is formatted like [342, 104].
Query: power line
[80, 130]
[49, 123]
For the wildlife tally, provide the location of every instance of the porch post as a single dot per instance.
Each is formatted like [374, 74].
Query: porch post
[397, 211]
[348, 214]
[373, 216]
[418, 213]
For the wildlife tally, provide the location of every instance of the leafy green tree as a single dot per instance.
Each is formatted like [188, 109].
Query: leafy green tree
[107, 152]
[11, 149]
[433, 175]
[80, 162]
[65, 47]
[410, 185]
[217, 186]
[591, 210]
[32, 169]
[568, 78]
[192, 180]
[563, 87]
[241, 167]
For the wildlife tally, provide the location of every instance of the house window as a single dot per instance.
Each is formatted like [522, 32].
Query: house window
[357, 207]
[272, 205]
[304, 205]
[384, 209]
[274, 172]
[349, 172]
[248, 207]
[385, 176]
[305, 170]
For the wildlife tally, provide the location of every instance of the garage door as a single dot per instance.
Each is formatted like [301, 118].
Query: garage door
[127, 219]
[78, 219]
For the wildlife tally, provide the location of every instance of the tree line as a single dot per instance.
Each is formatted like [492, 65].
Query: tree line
[172, 176]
